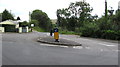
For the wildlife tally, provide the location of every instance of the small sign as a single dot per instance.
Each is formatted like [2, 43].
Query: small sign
[32, 25]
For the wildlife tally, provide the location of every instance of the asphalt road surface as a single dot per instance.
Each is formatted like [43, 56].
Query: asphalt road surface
[23, 49]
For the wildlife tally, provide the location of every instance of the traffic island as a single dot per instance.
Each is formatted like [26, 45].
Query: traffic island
[63, 42]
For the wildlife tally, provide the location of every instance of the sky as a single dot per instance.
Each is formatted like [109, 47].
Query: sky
[21, 8]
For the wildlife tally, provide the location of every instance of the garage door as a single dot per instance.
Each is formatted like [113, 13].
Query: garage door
[24, 29]
[10, 28]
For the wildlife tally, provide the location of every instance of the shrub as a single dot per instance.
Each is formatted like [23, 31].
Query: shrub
[89, 30]
[111, 34]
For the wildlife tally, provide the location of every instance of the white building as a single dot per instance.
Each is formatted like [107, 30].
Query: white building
[12, 26]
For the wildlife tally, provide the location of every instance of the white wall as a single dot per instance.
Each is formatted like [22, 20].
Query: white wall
[20, 29]
[2, 29]
[27, 29]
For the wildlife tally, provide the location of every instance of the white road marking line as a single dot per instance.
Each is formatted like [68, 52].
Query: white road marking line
[54, 45]
[87, 47]
[64, 46]
[78, 47]
[48, 45]
[106, 44]
[116, 50]
[110, 45]
[108, 50]
[47, 34]
[75, 47]
[101, 50]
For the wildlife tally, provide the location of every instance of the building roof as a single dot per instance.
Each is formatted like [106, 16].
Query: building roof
[10, 22]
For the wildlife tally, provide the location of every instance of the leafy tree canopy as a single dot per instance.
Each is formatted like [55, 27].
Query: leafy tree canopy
[6, 15]
[23, 24]
[42, 18]
[75, 15]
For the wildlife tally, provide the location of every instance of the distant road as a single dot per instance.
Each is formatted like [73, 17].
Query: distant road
[22, 49]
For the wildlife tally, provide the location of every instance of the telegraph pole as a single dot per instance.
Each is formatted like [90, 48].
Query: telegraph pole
[106, 11]
[119, 5]
[1, 17]
[29, 16]
[84, 0]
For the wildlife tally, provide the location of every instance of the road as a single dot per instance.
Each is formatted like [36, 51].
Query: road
[23, 49]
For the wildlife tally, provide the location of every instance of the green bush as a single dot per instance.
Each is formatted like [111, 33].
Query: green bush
[89, 30]
[35, 22]
[66, 32]
[111, 34]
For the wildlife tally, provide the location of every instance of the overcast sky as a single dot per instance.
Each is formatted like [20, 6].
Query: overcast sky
[22, 7]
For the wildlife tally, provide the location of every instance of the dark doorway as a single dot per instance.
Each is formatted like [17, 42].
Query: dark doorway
[9, 28]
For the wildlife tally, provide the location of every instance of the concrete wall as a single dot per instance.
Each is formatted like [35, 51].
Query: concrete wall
[17, 26]
[2, 29]
[20, 29]
[27, 29]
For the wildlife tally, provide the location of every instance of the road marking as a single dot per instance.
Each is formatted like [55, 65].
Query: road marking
[64, 46]
[75, 47]
[106, 45]
[48, 34]
[101, 50]
[108, 50]
[116, 50]
[78, 47]
[53, 45]
[87, 47]
[48, 45]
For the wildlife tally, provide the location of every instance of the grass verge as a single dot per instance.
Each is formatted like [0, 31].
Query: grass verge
[68, 32]
[39, 29]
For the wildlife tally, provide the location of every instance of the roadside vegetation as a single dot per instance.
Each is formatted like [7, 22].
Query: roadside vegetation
[39, 29]
[41, 20]
[78, 19]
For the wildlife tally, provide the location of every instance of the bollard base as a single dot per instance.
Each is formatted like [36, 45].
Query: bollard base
[56, 40]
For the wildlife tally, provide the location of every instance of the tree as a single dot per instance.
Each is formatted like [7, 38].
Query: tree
[81, 10]
[18, 18]
[62, 17]
[23, 24]
[75, 15]
[6, 15]
[42, 18]
[106, 16]
[35, 22]
[116, 20]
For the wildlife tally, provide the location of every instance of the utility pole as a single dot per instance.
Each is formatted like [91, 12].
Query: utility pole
[106, 11]
[0, 17]
[119, 5]
[106, 17]
[29, 16]
[84, 0]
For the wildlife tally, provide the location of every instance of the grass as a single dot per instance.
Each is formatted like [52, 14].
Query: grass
[60, 31]
[39, 29]
[67, 32]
